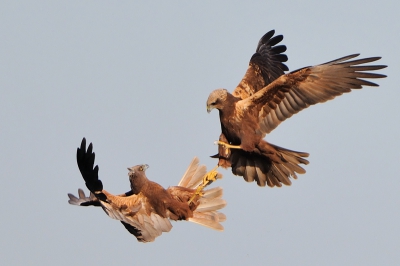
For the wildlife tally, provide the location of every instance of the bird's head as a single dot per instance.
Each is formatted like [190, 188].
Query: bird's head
[137, 169]
[137, 177]
[216, 99]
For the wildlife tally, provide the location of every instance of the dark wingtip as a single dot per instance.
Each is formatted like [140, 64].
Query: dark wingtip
[96, 169]
[85, 159]
[90, 148]
[275, 40]
[265, 38]
[83, 145]
[267, 35]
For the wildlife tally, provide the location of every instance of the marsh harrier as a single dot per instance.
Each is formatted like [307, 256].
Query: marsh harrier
[146, 210]
[265, 97]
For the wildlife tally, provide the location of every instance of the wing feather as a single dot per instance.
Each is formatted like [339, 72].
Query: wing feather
[136, 212]
[133, 211]
[265, 66]
[299, 89]
[83, 200]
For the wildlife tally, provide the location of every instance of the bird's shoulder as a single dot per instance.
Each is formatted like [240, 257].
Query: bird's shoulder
[153, 189]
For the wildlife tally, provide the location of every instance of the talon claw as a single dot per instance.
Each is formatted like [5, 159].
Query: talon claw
[207, 179]
[227, 145]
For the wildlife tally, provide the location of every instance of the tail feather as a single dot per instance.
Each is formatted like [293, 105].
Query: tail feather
[295, 167]
[192, 178]
[208, 223]
[293, 158]
[197, 178]
[212, 193]
[271, 165]
[221, 217]
[210, 219]
[289, 164]
[280, 177]
[192, 168]
[206, 213]
[210, 205]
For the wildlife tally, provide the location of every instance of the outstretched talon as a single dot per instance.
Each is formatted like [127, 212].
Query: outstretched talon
[207, 179]
[227, 145]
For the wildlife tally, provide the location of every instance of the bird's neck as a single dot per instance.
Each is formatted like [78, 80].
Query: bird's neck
[228, 106]
[137, 185]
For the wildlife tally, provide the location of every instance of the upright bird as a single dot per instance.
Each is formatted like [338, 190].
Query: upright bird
[265, 97]
[146, 210]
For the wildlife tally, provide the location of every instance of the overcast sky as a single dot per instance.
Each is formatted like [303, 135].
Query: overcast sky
[133, 78]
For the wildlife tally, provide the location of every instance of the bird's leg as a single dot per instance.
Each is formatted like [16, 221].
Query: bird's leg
[207, 179]
[227, 145]
[198, 192]
[210, 176]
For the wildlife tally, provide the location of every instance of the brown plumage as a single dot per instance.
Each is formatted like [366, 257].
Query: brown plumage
[265, 97]
[160, 200]
[146, 210]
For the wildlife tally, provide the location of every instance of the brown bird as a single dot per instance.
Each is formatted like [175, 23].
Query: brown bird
[265, 97]
[146, 210]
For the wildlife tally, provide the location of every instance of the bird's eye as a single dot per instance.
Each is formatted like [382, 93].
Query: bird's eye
[141, 168]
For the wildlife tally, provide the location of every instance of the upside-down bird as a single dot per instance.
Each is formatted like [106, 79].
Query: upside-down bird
[146, 210]
[265, 97]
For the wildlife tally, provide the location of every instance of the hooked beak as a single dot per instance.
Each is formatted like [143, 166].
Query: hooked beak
[209, 108]
[145, 167]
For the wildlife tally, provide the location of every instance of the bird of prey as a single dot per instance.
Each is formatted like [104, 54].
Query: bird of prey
[146, 210]
[265, 97]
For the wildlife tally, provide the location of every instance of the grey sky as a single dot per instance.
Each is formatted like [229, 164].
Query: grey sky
[133, 78]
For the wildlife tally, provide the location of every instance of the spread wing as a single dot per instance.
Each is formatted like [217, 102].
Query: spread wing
[83, 200]
[265, 66]
[136, 214]
[299, 89]
[134, 211]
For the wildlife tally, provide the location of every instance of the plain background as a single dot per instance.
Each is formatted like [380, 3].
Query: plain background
[133, 78]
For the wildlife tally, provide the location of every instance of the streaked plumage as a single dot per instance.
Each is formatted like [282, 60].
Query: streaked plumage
[146, 210]
[266, 96]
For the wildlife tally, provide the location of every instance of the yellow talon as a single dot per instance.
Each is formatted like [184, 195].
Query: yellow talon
[207, 179]
[210, 176]
[227, 145]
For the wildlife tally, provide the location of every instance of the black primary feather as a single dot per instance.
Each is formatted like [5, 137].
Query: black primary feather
[85, 159]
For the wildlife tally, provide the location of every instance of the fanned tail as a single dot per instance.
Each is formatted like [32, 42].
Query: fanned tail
[193, 176]
[271, 165]
[206, 213]
[288, 164]
[209, 203]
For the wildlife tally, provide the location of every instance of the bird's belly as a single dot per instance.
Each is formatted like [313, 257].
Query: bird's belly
[234, 132]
